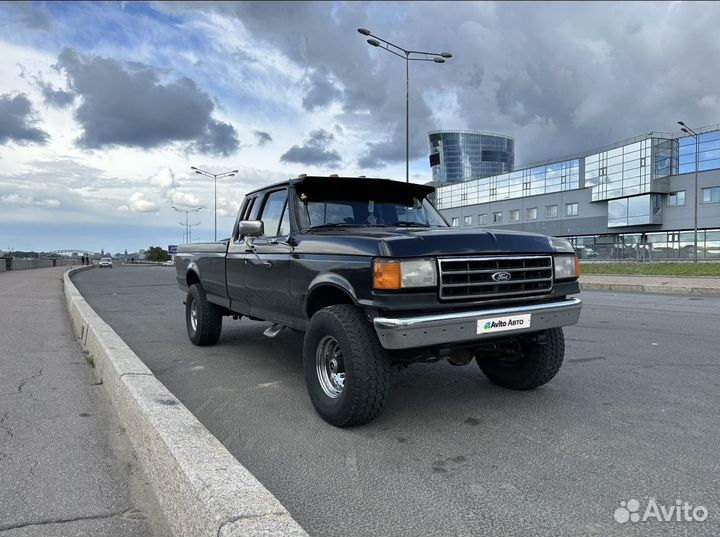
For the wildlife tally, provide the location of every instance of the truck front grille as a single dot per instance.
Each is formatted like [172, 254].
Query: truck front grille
[465, 278]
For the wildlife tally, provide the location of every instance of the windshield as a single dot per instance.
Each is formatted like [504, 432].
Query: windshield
[376, 210]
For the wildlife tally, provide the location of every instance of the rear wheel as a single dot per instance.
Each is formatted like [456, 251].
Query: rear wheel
[203, 319]
[528, 362]
[347, 372]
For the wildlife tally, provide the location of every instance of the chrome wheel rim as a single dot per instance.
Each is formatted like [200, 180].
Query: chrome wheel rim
[330, 367]
[193, 316]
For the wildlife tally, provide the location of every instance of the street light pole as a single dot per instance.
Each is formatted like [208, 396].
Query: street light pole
[688, 130]
[408, 56]
[187, 212]
[215, 177]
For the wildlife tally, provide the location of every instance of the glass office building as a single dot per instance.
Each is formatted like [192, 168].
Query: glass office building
[457, 156]
[635, 199]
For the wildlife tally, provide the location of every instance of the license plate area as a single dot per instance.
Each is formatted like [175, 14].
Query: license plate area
[505, 323]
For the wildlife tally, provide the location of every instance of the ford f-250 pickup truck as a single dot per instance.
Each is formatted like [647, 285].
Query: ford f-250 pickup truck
[376, 279]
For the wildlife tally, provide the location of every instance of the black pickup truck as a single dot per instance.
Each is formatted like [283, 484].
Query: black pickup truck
[376, 279]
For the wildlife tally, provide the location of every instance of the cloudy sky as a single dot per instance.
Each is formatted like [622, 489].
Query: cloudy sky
[105, 106]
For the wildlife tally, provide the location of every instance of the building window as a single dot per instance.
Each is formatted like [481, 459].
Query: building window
[551, 211]
[482, 219]
[455, 221]
[468, 221]
[514, 215]
[571, 209]
[497, 218]
[711, 195]
[676, 199]
[531, 213]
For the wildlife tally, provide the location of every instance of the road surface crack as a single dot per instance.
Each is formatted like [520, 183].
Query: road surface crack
[242, 517]
[4, 426]
[45, 522]
[26, 379]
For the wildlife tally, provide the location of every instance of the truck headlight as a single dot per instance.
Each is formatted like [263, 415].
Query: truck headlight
[561, 245]
[566, 266]
[396, 274]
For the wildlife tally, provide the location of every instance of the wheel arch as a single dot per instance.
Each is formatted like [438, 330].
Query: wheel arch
[328, 290]
[192, 275]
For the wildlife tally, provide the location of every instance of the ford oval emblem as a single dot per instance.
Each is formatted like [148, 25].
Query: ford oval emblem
[501, 276]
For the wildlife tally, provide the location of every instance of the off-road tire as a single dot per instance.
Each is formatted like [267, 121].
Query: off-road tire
[208, 318]
[536, 364]
[367, 366]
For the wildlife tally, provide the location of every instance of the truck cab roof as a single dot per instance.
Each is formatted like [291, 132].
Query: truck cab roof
[343, 183]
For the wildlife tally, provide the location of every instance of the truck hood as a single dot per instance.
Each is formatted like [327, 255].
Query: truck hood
[419, 242]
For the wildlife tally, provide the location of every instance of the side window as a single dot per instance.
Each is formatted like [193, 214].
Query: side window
[284, 230]
[244, 215]
[272, 212]
[252, 213]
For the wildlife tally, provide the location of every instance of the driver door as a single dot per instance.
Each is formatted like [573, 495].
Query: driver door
[267, 270]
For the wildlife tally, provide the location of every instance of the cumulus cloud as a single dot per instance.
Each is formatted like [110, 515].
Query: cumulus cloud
[262, 137]
[129, 105]
[138, 204]
[559, 80]
[57, 98]
[164, 180]
[29, 201]
[320, 90]
[18, 120]
[315, 151]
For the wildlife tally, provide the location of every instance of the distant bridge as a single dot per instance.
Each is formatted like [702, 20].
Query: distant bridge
[71, 252]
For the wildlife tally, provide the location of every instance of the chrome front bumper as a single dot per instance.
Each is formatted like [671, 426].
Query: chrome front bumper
[458, 327]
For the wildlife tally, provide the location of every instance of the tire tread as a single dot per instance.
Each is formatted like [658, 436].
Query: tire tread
[209, 317]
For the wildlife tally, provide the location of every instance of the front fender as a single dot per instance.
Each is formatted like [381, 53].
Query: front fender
[333, 280]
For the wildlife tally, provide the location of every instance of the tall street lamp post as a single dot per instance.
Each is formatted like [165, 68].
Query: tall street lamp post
[215, 177]
[187, 226]
[187, 236]
[408, 56]
[688, 130]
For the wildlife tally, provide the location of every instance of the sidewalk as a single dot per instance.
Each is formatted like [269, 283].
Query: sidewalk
[706, 285]
[66, 466]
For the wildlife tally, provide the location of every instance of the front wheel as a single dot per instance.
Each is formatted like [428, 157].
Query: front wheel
[526, 363]
[347, 372]
[203, 319]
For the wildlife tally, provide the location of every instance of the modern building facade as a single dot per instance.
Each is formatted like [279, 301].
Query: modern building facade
[635, 199]
[457, 156]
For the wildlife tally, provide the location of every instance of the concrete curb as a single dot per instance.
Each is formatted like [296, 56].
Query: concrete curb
[202, 489]
[647, 288]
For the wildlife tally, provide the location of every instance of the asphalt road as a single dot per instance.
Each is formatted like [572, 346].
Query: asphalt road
[633, 414]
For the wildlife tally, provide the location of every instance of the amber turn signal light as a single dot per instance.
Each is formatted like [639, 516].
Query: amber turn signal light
[387, 275]
[577, 267]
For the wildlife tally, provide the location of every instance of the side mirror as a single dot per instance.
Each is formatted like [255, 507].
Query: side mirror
[251, 228]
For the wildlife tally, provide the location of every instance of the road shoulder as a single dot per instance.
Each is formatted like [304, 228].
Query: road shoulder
[201, 487]
[66, 463]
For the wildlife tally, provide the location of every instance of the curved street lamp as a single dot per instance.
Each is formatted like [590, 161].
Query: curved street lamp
[408, 56]
[187, 226]
[215, 177]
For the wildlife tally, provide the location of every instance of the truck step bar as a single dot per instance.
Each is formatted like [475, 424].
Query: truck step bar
[274, 330]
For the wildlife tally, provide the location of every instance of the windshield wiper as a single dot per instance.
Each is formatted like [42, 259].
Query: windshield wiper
[333, 224]
[344, 224]
[409, 224]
